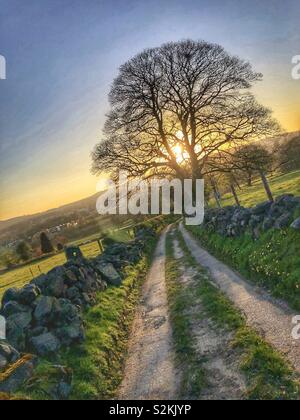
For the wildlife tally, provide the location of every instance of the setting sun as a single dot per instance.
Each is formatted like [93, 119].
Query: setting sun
[178, 153]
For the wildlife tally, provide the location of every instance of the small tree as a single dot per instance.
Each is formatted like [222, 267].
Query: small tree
[46, 245]
[24, 251]
[8, 257]
[257, 160]
[59, 246]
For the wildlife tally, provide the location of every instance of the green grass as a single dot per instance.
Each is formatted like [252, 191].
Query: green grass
[280, 184]
[272, 261]
[268, 375]
[179, 299]
[20, 276]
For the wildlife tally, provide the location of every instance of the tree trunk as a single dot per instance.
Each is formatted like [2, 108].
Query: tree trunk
[267, 186]
[237, 182]
[235, 195]
[249, 181]
[216, 194]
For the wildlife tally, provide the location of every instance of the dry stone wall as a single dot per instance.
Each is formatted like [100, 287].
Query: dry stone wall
[46, 315]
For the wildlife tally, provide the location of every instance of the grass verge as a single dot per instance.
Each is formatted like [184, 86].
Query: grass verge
[272, 261]
[268, 375]
[279, 183]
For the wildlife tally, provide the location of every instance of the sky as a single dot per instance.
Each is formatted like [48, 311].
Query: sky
[62, 56]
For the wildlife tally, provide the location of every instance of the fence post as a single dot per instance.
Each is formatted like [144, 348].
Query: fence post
[100, 244]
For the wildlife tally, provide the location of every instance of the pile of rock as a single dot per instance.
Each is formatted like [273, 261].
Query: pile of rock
[46, 314]
[233, 221]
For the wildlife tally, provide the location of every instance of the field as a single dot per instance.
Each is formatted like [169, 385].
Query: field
[20, 276]
[280, 184]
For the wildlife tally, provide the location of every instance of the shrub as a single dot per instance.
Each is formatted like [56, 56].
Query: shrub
[24, 251]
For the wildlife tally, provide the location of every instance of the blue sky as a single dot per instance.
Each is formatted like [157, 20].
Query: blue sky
[62, 56]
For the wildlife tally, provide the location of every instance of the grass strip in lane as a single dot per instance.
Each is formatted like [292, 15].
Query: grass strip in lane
[180, 299]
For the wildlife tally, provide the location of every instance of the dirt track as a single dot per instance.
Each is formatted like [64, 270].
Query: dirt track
[150, 371]
[270, 318]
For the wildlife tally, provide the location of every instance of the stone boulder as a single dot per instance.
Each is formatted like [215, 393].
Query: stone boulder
[17, 374]
[10, 295]
[66, 313]
[73, 294]
[43, 309]
[16, 337]
[268, 223]
[296, 224]
[45, 344]
[109, 273]
[16, 328]
[255, 220]
[19, 320]
[8, 355]
[283, 221]
[71, 276]
[55, 283]
[29, 294]
[71, 334]
[35, 332]
[262, 208]
[40, 282]
[12, 307]
[287, 201]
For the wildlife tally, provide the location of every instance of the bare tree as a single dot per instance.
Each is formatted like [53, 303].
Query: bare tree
[178, 110]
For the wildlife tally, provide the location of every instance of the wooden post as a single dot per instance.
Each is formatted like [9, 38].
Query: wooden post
[267, 186]
[100, 244]
[235, 195]
[216, 194]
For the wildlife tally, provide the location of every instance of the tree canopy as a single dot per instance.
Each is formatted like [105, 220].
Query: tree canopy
[180, 109]
[46, 245]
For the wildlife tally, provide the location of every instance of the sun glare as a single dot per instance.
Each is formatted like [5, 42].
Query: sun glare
[178, 153]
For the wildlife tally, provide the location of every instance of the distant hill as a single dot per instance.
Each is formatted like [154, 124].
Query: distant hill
[88, 202]
[10, 229]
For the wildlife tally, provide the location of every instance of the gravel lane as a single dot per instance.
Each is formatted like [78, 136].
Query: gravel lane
[150, 373]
